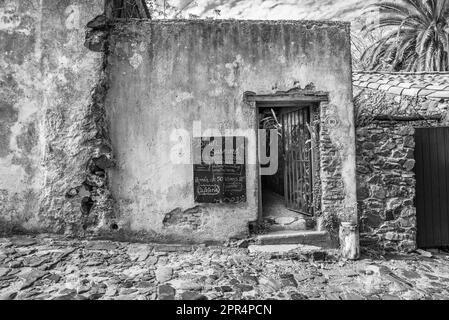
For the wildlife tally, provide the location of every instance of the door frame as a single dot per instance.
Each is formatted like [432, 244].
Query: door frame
[292, 98]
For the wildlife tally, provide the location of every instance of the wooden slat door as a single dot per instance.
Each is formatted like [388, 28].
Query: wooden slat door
[432, 187]
[297, 160]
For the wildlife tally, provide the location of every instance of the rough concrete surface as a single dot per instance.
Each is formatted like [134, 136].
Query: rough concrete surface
[48, 130]
[48, 267]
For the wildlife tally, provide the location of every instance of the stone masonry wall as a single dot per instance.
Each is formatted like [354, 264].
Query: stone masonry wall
[385, 166]
[386, 184]
[333, 208]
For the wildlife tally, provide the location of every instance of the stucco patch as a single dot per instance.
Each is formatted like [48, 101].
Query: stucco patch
[183, 96]
[16, 46]
[191, 218]
[72, 21]
[28, 139]
[233, 71]
[9, 19]
[136, 60]
[8, 116]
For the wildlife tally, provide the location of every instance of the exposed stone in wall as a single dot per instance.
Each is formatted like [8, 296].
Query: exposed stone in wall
[332, 186]
[386, 184]
[385, 166]
[96, 200]
[370, 103]
[316, 156]
[188, 219]
[78, 155]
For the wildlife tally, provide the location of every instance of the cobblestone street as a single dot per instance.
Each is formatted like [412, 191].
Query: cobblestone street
[48, 267]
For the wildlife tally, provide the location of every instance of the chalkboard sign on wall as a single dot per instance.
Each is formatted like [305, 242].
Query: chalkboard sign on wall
[219, 170]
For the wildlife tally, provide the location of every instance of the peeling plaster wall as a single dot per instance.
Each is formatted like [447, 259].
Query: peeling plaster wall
[46, 131]
[164, 75]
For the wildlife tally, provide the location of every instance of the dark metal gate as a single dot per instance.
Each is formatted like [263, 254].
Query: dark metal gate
[432, 187]
[297, 160]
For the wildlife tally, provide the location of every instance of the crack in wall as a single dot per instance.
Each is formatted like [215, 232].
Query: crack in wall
[97, 204]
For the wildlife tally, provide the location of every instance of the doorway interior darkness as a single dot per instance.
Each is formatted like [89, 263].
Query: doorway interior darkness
[287, 196]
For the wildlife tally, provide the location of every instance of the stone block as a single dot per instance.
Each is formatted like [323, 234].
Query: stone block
[408, 212]
[409, 165]
[378, 192]
[409, 142]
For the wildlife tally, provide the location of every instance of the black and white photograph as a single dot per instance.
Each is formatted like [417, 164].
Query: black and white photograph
[231, 157]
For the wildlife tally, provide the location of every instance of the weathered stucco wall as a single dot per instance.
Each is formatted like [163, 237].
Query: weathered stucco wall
[46, 125]
[385, 166]
[164, 75]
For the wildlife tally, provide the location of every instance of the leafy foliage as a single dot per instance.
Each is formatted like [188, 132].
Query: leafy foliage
[129, 9]
[164, 9]
[416, 36]
[269, 121]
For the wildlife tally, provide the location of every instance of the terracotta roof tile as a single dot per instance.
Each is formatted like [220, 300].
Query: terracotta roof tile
[384, 87]
[405, 85]
[374, 86]
[433, 85]
[364, 84]
[413, 92]
[425, 92]
[394, 82]
[436, 87]
[383, 81]
[396, 90]
[439, 95]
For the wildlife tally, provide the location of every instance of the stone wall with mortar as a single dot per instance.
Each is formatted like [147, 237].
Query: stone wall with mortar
[385, 166]
[51, 90]
[164, 75]
[386, 184]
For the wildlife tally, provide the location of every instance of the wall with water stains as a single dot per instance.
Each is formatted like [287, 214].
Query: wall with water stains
[46, 132]
[164, 75]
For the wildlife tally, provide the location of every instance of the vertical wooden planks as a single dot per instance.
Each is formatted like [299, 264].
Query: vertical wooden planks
[432, 186]
[296, 157]
[284, 155]
[445, 189]
[298, 167]
[442, 189]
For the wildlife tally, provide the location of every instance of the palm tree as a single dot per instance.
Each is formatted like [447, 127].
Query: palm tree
[416, 36]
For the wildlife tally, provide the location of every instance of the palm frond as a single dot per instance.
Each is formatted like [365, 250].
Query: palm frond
[416, 37]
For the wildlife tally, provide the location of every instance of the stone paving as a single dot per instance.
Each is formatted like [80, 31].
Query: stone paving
[49, 267]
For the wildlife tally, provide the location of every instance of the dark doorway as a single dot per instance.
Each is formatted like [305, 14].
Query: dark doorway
[432, 187]
[287, 195]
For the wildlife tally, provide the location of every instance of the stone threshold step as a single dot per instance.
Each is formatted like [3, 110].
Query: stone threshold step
[275, 224]
[312, 238]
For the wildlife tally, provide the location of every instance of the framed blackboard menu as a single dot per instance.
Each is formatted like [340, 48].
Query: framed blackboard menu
[219, 170]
